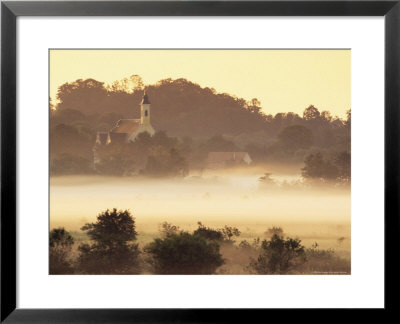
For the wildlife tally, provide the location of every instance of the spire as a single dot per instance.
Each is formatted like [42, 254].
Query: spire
[145, 100]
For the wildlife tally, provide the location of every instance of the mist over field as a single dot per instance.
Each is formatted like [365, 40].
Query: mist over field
[174, 177]
[233, 198]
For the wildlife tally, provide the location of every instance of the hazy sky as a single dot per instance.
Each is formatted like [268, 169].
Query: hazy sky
[283, 80]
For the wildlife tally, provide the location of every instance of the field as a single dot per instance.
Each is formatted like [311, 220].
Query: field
[216, 198]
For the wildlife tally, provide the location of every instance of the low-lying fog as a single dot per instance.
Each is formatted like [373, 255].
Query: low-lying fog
[214, 198]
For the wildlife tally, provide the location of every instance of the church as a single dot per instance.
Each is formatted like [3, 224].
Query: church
[126, 130]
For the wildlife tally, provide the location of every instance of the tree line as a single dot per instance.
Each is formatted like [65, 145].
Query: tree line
[195, 119]
[113, 249]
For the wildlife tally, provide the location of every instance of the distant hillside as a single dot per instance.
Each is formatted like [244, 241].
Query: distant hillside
[198, 116]
[179, 107]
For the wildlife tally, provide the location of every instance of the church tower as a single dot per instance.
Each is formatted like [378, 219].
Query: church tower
[145, 111]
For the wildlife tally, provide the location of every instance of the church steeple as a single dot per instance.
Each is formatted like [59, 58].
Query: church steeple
[145, 110]
[145, 99]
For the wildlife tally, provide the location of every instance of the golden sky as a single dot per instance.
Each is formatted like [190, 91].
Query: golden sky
[283, 80]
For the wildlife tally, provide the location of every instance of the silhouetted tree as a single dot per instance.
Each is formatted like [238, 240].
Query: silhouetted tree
[296, 137]
[311, 113]
[161, 163]
[60, 243]
[184, 253]
[118, 162]
[113, 249]
[66, 164]
[229, 232]
[167, 229]
[316, 167]
[343, 163]
[87, 96]
[209, 233]
[279, 256]
[274, 230]
[219, 143]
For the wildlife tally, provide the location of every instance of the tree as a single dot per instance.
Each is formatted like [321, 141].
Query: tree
[66, 164]
[311, 113]
[117, 162]
[279, 256]
[274, 230]
[167, 229]
[161, 163]
[296, 137]
[113, 250]
[60, 243]
[343, 163]
[184, 253]
[228, 232]
[348, 119]
[75, 140]
[219, 143]
[254, 106]
[143, 139]
[327, 116]
[316, 167]
[160, 138]
[87, 96]
[208, 233]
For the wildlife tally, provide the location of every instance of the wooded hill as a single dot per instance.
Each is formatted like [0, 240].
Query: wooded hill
[179, 107]
[184, 109]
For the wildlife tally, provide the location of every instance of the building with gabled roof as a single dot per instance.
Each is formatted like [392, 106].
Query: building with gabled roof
[129, 127]
[126, 130]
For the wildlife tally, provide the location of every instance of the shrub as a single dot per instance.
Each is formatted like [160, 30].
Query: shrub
[274, 230]
[184, 253]
[168, 229]
[279, 256]
[324, 261]
[208, 233]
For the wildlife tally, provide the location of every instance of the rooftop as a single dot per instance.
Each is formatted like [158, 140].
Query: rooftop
[127, 126]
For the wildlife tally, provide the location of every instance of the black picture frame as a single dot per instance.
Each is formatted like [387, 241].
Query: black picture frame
[10, 10]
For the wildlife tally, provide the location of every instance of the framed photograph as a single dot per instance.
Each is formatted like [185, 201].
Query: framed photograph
[193, 161]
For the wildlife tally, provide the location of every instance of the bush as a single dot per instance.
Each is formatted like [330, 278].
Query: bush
[208, 233]
[221, 234]
[184, 253]
[324, 261]
[228, 232]
[279, 256]
[61, 243]
[167, 229]
[113, 250]
[274, 230]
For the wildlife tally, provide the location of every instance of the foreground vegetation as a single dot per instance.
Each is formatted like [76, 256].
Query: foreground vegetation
[113, 248]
